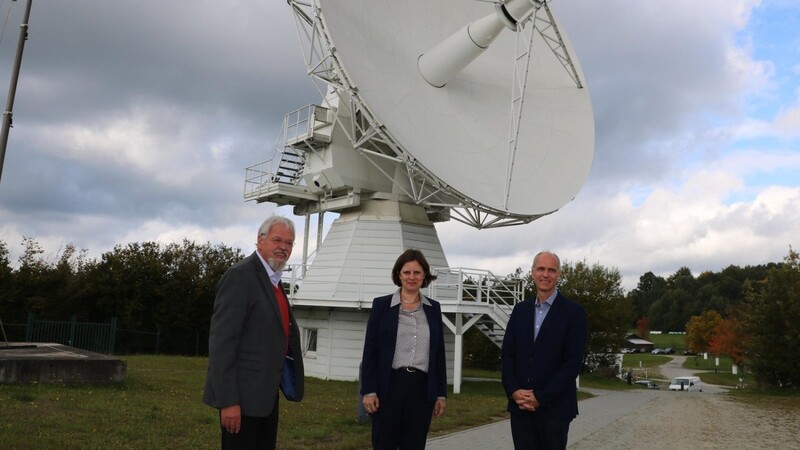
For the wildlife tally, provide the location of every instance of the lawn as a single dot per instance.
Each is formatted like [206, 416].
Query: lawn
[675, 341]
[159, 406]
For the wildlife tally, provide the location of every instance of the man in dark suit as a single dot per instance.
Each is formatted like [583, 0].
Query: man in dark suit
[541, 357]
[252, 331]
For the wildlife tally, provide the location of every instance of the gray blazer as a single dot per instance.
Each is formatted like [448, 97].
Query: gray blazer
[246, 343]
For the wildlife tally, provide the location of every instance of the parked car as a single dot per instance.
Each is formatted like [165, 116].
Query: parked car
[668, 351]
[649, 384]
[627, 350]
[656, 351]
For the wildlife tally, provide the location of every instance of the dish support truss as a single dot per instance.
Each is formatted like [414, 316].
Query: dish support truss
[374, 141]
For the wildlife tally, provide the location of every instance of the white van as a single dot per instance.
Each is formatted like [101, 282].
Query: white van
[686, 384]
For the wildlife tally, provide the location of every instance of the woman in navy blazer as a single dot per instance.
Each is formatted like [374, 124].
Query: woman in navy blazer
[403, 374]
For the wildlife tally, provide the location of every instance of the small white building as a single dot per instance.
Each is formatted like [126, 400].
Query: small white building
[638, 344]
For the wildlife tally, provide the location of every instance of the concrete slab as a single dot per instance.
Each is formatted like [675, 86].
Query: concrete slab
[25, 362]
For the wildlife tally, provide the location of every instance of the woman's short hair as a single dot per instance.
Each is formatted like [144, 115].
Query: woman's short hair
[408, 256]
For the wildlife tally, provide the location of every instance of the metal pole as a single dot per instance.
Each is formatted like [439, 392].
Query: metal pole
[305, 246]
[12, 89]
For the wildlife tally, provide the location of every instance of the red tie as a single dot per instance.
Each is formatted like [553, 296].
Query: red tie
[283, 305]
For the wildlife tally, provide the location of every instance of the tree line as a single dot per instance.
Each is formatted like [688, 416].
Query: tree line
[749, 313]
[762, 330]
[149, 287]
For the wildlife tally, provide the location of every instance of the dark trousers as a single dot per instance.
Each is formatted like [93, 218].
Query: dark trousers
[256, 433]
[403, 420]
[533, 432]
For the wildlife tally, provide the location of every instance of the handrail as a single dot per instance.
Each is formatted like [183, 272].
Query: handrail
[452, 286]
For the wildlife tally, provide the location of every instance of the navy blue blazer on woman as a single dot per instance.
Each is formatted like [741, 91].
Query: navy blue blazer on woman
[379, 346]
[549, 365]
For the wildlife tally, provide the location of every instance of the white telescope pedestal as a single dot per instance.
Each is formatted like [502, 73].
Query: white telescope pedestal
[354, 263]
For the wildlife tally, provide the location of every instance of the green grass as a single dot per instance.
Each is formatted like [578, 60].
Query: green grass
[644, 360]
[710, 372]
[594, 381]
[159, 406]
[720, 378]
[676, 341]
[156, 407]
[697, 362]
[480, 373]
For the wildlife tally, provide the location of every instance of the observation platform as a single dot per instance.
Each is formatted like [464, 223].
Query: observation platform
[25, 362]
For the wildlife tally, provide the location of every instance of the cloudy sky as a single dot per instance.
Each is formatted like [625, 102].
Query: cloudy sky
[134, 121]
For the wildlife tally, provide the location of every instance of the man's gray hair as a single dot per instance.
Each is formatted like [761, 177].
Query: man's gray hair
[267, 225]
[547, 252]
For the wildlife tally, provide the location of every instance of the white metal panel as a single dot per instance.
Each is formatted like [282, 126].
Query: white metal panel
[354, 262]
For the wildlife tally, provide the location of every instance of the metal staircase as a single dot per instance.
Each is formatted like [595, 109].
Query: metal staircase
[290, 166]
[485, 300]
[280, 178]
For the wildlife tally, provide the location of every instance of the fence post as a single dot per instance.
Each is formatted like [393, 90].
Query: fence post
[29, 328]
[158, 338]
[72, 323]
[112, 336]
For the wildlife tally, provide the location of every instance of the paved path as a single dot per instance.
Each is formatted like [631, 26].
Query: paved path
[596, 413]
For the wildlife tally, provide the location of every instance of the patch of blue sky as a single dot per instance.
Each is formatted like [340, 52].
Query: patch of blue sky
[773, 34]
[639, 195]
[762, 141]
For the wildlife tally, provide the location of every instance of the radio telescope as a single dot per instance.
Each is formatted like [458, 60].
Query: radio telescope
[469, 110]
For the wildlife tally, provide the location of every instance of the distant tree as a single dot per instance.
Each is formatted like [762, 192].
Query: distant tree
[700, 330]
[643, 328]
[599, 290]
[31, 282]
[187, 296]
[479, 351]
[728, 338]
[771, 322]
[682, 279]
[525, 277]
[668, 313]
[146, 287]
[649, 289]
[5, 263]
[5, 266]
[128, 284]
[7, 293]
[731, 288]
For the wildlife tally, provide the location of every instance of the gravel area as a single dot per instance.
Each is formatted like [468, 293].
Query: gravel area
[680, 420]
[693, 420]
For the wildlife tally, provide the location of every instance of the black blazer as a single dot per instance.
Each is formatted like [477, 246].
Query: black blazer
[379, 346]
[549, 365]
[246, 343]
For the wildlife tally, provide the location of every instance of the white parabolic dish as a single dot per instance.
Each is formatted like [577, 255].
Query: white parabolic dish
[460, 133]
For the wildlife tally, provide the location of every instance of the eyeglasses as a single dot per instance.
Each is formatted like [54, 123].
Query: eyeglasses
[278, 241]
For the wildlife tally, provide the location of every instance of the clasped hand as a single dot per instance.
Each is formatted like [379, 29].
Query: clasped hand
[525, 399]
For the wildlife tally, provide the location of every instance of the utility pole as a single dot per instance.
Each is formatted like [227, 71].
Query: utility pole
[12, 89]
